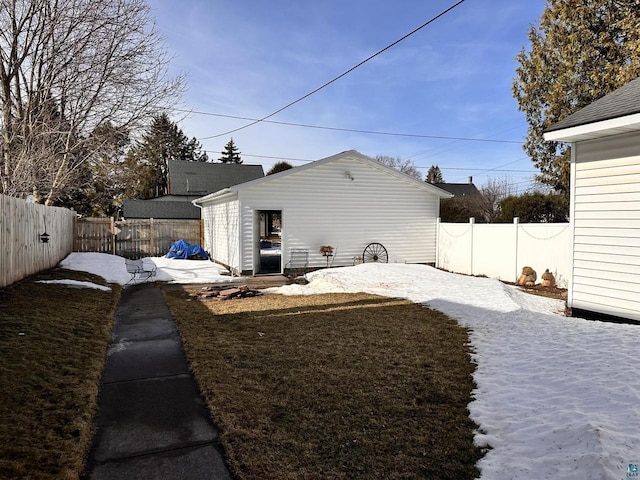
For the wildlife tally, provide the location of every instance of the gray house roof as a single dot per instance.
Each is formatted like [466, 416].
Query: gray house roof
[459, 189]
[201, 178]
[169, 209]
[610, 113]
[188, 181]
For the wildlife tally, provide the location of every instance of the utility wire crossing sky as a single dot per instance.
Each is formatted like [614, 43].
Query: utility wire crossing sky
[447, 86]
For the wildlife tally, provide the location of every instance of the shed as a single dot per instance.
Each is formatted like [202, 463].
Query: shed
[605, 203]
[346, 201]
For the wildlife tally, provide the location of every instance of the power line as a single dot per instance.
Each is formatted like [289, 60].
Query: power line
[306, 160]
[350, 130]
[270, 157]
[483, 170]
[335, 79]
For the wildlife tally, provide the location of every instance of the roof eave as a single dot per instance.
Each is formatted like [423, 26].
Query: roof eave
[212, 196]
[590, 131]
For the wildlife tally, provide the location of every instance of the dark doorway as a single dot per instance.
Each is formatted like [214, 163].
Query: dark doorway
[270, 228]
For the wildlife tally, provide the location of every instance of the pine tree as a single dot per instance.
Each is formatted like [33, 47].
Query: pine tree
[581, 51]
[230, 154]
[146, 165]
[279, 167]
[434, 175]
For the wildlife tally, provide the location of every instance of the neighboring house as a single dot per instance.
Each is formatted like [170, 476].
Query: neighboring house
[346, 201]
[460, 189]
[186, 182]
[605, 203]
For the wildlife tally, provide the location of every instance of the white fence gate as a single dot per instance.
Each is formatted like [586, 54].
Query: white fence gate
[501, 250]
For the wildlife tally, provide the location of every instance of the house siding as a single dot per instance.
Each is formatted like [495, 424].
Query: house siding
[221, 231]
[605, 206]
[323, 206]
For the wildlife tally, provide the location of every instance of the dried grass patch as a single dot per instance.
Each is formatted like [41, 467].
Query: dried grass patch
[49, 376]
[333, 386]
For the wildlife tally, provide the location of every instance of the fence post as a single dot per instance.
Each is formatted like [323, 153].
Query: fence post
[152, 238]
[516, 223]
[112, 229]
[438, 220]
[472, 222]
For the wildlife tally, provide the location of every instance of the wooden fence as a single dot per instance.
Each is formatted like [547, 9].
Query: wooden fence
[133, 238]
[22, 250]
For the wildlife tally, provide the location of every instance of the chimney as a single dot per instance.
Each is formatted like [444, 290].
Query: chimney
[470, 179]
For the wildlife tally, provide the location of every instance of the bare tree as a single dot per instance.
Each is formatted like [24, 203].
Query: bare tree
[483, 206]
[491, 194]
[66, 69]
[404, 166]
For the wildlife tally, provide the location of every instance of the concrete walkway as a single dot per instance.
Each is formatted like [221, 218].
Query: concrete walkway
[152, 422]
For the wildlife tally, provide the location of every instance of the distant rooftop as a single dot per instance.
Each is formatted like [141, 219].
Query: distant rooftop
[202, 178]
[160, 209]
[459, 189]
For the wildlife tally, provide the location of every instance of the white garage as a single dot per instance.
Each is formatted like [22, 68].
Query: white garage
[347, 201]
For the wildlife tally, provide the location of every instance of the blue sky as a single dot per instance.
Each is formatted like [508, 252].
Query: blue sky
[451, 79]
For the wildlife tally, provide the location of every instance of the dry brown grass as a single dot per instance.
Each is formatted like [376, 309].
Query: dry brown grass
[333, 386]
[49, 376]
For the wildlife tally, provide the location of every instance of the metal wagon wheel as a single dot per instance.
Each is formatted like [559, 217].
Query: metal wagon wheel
[375, 252]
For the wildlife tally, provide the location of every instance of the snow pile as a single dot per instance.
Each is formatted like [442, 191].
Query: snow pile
[112, 269]
[556, 397]
[77, 284]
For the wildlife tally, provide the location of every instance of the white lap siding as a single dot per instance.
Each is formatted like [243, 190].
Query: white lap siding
[606, 217]
[221, 230]
[346, 204]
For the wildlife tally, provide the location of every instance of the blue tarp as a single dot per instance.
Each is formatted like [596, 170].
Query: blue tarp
[184, 250]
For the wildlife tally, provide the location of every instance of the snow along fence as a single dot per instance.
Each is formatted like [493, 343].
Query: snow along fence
[32, 238]
[501, 250]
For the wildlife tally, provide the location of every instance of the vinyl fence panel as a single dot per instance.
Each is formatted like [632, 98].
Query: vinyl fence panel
[501, 250]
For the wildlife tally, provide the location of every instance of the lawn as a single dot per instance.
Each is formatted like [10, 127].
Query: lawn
[332, 386]
[53, 341]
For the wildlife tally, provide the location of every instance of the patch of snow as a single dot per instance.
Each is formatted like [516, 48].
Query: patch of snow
[273, 251]
[112, 269]
[77, 284]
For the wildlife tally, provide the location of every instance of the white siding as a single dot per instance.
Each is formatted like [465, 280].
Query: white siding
[323, 206]
[606, 214]
[221, 231]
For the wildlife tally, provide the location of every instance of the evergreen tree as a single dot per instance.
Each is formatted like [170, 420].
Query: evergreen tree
[580, 51]
[434, 175]
[534, 207]
[230, 154]
[146, 165]
[279, 167]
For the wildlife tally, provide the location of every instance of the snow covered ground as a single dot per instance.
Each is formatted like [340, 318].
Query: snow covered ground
[112, 268]
[556, 397]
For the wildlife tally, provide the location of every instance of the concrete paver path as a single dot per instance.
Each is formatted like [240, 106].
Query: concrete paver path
[152, 422]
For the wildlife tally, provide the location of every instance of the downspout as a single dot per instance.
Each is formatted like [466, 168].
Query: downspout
[195, 203]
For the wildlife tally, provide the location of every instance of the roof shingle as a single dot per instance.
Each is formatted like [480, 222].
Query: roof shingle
[619, 103]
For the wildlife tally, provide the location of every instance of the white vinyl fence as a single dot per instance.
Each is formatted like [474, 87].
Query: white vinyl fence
[22, 250]
[501, 250]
